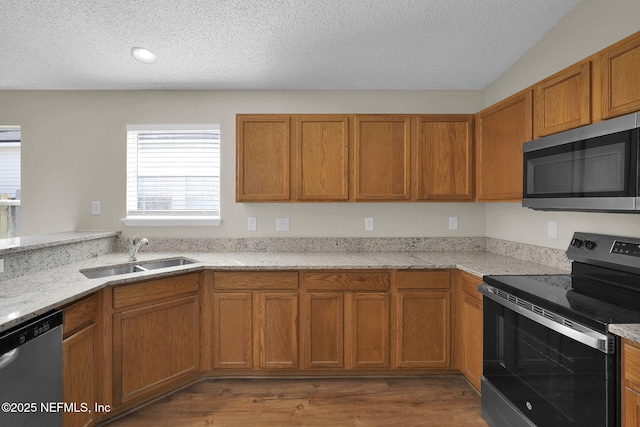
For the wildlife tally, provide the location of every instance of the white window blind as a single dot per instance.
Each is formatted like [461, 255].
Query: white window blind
[173, 174]
[10, 162]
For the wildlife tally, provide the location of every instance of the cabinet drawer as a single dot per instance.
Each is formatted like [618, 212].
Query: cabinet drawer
[470, 285]
[631, 362]
[258, 280]
[154, 290]
[353, 281]
[80, 314]
[423, 279]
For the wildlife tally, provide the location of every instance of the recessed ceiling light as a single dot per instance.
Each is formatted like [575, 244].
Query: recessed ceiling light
[143, 55]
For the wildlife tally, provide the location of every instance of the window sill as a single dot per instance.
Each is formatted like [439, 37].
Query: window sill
[171, 221]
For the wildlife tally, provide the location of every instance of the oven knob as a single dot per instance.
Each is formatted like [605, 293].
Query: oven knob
[576, 243]
[589, 244]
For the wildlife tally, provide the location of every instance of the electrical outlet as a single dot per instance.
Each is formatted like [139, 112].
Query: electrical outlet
[552, 229]
[282, 224]
[252, 223]
[368, 224]
[453, 223]
[96, 208]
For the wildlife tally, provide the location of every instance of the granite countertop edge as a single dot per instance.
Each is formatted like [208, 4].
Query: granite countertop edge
[21, 244]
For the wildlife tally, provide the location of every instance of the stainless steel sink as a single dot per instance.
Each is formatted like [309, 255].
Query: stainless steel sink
[137, 267]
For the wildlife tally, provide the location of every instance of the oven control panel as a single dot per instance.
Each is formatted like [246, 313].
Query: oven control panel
[611, 251]
[625, 248]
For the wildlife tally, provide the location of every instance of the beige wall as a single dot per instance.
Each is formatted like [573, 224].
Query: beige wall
[73, 152]
[74, 149]
[591, 26]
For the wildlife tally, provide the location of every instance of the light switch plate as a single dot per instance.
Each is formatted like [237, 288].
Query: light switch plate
[282, 224]
[368, 224]
[552, 229]
[252, 223]
[453, 223]
[96, 208]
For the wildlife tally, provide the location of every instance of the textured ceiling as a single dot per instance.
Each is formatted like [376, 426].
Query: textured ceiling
[268, 44]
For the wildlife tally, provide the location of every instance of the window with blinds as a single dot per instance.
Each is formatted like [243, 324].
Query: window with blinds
[10, 162]
[173, 174]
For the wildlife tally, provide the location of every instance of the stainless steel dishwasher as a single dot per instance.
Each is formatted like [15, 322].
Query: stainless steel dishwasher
[31, 373]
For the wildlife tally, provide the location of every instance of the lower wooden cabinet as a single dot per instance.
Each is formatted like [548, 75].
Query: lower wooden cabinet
[147, 338]
[156, 336]
[423, 319]
[630, 383]
[254, 328]
[346, 320]
[81, 360]
[469, 332]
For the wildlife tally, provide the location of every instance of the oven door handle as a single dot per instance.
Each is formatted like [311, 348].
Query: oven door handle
[575, 331]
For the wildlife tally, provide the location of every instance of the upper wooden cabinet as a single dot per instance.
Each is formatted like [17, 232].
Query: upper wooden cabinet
[353, 158]
[563, 101]
[620, 77]
[321, 153]
[500, 132]
[263, 158]
[444, 157]
[382, 153]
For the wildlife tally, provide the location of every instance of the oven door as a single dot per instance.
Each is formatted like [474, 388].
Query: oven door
[535, 375]
[598, 173]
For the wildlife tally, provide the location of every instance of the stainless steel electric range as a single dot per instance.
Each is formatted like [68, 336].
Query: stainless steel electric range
[548, 358]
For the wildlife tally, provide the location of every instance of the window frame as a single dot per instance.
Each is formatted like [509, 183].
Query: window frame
[161, 220]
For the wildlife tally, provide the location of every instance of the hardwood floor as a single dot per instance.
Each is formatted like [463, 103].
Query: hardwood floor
[432, 401]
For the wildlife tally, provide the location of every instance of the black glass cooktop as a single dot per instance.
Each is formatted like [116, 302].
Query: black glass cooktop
[592, 296]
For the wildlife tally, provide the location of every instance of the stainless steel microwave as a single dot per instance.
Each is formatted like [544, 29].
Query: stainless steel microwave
[591, 168]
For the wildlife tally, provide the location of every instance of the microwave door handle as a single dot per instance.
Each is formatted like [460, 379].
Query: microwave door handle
[582, 334]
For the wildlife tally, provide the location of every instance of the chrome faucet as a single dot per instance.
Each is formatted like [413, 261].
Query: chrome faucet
[134, 245]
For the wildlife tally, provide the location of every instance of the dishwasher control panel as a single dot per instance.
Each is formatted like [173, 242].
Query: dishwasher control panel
[22, 334]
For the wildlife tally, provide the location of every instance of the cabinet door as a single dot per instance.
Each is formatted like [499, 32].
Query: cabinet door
[382, 150]
[263, 158]
[424, 331]
[155, 346]
[79, 379]
[81, 357]
[443, 157]
[367, 329]
[233, 330]
[277, 318]
[472, 338]
[500, 131]
[620, 79]
[630, 407]
[630, 383]
[563, 101]
[321, 146]
[324, 330]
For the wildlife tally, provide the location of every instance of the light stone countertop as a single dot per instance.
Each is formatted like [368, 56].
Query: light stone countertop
[630, 331]
[25, 297]
[28, 243]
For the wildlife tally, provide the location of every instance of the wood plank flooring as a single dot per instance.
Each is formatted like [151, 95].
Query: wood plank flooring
[427, 401]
